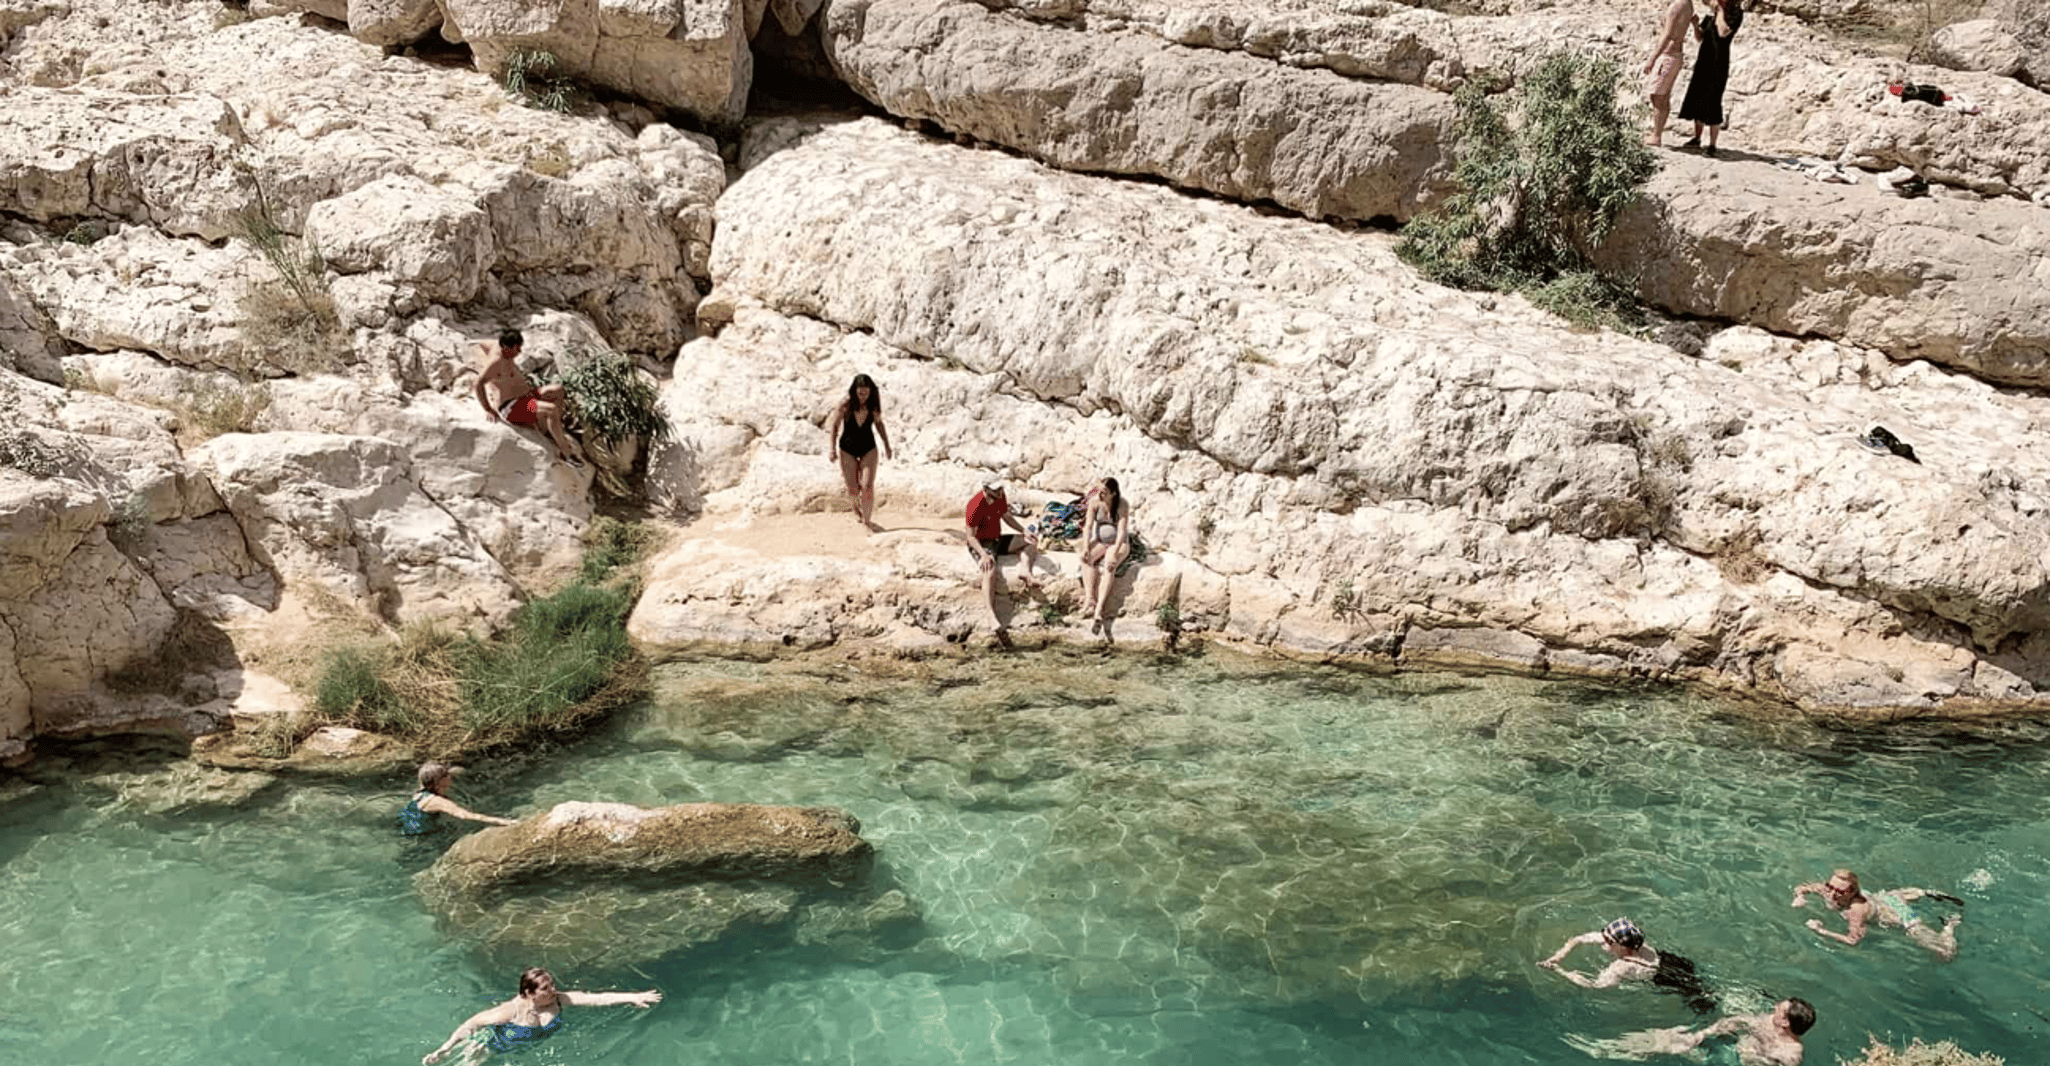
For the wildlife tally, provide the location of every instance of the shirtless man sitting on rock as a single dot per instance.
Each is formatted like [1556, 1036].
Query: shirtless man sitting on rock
[519, 402]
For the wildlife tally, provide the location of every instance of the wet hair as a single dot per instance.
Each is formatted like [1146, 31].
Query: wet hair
[511, 339]
[1800, 1016]
[1849, 879]
[430, 772]
[875, 396]
[530, 979]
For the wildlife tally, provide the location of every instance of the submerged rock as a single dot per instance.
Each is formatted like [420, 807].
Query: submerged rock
[614, 884]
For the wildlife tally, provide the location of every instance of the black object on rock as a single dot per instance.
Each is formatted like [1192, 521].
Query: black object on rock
[1880, 440]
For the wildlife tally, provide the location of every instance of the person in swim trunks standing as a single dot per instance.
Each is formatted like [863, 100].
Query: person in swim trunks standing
[1662, 70]
[533, 1015]
[519, 402]
[1892, 907]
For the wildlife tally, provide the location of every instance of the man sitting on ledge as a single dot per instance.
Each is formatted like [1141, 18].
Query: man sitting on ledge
[519, 402]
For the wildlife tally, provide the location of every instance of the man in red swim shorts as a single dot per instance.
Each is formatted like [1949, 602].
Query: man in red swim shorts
[519, 402]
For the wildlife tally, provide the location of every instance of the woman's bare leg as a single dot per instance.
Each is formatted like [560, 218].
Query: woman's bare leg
[1103, 587]
[1089, 593]
[850, 472]
[866, 509]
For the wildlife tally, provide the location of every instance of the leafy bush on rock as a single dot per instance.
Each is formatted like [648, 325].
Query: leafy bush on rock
[1542, 180]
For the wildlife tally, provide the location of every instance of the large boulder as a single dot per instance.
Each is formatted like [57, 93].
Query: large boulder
[614, 884]
[1128, 103]
[348, 514]
[164, 161]
[2029, 22]
[1953, 282]
[1978, 45]
[690, 56]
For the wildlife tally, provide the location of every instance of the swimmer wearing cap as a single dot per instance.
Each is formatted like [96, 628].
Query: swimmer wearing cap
[1630, 957]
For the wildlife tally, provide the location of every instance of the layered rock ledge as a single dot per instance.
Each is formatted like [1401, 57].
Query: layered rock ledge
[1334, 457]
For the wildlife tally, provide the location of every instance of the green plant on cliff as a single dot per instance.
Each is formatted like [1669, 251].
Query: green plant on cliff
[289, 320]
[562, 660]
[1543, 176]
[1943, 1053]
[609, 400]
[535, 79]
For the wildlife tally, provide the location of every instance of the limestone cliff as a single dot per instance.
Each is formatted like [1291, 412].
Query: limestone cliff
[1156, 249]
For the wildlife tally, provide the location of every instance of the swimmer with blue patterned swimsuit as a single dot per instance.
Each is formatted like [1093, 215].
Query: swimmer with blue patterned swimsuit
[1892, 907]
[528, 1018]
[418, 817]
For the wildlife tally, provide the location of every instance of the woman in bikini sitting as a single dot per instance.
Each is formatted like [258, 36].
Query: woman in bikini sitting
[533, 1015]
[1892, 907]
[1106, 526]
[856, 425]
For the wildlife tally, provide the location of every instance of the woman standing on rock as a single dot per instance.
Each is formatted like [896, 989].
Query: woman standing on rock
[1703, 105]
[533, 1015]
[856, 425]
[417, 819]
[1106, 527]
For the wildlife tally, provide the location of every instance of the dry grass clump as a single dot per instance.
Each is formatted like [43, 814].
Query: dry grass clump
[297, 332]
[214, 407]
[1942, 1053]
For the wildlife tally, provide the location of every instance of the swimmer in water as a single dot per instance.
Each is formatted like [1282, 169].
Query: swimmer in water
[1631, 959]
[1772, 1039]
[528, 1018]
[1892, 907]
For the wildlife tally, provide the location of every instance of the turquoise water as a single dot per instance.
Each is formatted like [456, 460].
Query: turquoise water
[1116, 861]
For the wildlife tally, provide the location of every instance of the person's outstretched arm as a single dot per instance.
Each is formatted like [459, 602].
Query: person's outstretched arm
[1568, 946]
[444, 805]
[1802, 892]
[1857, 919]
[501, 1013]
[642, 1000]
[833, 431]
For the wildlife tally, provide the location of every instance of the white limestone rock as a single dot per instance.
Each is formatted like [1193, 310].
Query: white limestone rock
[1295, 414]
[436, 240]
[1125, 103]
[393, 22]
[692, 56]
[1978, 45]
[164, 161]
[347, 514]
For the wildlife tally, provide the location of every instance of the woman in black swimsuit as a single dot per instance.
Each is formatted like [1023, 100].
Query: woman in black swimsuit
[856, 425]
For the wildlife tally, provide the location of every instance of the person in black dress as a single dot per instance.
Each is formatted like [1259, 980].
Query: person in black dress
[1703, 105]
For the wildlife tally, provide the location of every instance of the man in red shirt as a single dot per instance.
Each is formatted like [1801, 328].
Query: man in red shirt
[988, 513]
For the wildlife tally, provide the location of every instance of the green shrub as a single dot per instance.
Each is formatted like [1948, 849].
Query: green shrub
[1344, 601]
[610, 400]
[535, 79]
[1541, 180]
[551, 670]
[289, 321]
[352, 691]
[213, 407]
[611, 545]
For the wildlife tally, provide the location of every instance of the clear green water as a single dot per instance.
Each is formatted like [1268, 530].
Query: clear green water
[1117, 862]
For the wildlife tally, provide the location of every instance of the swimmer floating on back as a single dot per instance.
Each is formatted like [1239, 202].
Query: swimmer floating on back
[1892, 907]
[533, 1015]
